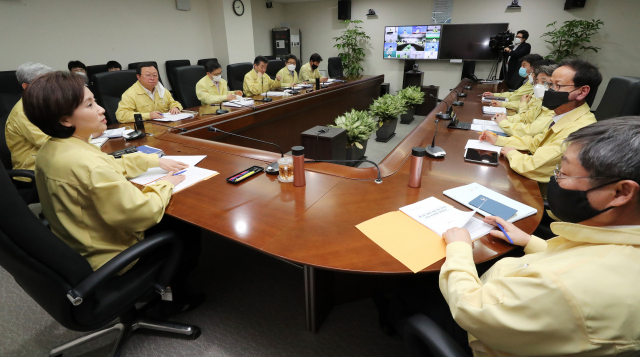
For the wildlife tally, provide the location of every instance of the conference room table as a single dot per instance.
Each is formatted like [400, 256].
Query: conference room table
[313, 226]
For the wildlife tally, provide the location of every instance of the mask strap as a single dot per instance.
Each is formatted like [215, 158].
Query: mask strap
[606, 184]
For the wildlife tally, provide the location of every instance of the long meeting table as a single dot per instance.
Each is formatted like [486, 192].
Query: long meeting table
[314, 226]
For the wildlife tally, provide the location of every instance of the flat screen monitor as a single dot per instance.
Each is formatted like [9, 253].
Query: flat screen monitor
[412, 42]
[469, 41]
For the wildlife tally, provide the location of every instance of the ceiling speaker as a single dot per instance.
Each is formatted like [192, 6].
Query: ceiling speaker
[573, 4]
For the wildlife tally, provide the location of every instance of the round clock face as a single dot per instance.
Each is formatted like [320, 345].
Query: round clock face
[238, 7]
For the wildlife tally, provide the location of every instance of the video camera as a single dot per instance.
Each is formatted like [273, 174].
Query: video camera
[500, 41]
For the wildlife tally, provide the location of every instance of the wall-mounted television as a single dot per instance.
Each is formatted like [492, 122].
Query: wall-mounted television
[469, 41]
[420, 42]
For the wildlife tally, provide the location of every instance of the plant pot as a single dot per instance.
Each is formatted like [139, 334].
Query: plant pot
[387, 131]
[407, 118]
[355, 153]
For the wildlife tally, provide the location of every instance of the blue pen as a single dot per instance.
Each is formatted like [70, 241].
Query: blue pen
[183, 171]
[505, 232]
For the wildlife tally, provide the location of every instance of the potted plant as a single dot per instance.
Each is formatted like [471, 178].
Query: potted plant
[412, 97]
[359, 126]
[352, 42]
[571, 38]
[387, 108]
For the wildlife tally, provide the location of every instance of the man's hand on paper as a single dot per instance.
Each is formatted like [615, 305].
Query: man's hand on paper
[174, 110]
[489, 137]
[505, 150]
[499, 117]
[238, 93]
[457, 235]
[517, 236]
[175, 180]
[496, 103]
[324, 79]
[487, 94]
[155, 115]
[231, 97]
[172, 165]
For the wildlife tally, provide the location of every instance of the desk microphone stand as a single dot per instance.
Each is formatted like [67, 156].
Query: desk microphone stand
[433, 150]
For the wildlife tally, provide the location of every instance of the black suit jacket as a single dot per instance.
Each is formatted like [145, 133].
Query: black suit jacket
[514, 62]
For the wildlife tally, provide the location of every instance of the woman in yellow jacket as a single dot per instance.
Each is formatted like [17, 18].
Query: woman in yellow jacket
[288, 73]
[84, 192]
[212, 89]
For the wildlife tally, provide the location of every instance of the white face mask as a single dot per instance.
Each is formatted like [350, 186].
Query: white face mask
[538, 91]
[517, 41]
[216, 78]
[530, 79]
[291, 67]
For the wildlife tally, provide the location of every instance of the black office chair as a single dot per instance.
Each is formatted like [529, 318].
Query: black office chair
[134, 66]
[203, 62]
[273, 67]
[423, 337]
[621, 98]
[27, 190]
[10, 91]
[186, 79]
[169, 67]
[270, 57]
[335, 67]
[62, 282]
[93, 70]
[515, 82]
[109, 89]
[236, 73]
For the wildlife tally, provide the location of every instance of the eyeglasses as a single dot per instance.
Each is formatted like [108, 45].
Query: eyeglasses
[558, 86]
[560, 175]
[151, 76]
[546, 85]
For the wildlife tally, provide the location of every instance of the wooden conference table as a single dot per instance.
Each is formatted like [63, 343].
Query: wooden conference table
[314, 226]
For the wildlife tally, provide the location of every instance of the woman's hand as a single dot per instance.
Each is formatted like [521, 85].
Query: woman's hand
[457, 235]
[489, 137]
[516, 234]
[171, 165]
[175, 180]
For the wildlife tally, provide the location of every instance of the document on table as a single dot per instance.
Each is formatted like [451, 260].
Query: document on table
[113, 133]
[239, 103]
[155, 173]
[99, 141]
[174, 117]
[273, 94]
[193, 176]
[482, 145]
[494, 110]
[479, 127]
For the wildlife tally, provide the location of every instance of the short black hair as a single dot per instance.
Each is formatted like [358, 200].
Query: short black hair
[52, 97]
[315, 58]
[260, 59]
[76, 64]
[531, 58]
[141, 65]
[587, 74]
[291, 56]
[212, 66]
[113, 64]
[525, 34]
[544, 62]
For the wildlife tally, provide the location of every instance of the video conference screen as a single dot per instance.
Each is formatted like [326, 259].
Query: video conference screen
[412, 42]
[469, 41]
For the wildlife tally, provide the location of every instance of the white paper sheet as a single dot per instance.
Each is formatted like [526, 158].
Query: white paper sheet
[112, 133]
[193, 176]
[494, 110]
[480, 128]
[484, 122]
[99, 141]
[482, 145]
[174, 117]
[155, 173]
[239, 103]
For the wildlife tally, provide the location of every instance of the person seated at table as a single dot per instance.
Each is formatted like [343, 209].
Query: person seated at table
[147, 97]
[513, 98]
[573, 295]
[570, 86]
[309, 71]
[288, 73]
[257, 81]
[532, 118]
[84, 192]
[212, 89]
[79, 68]
[113, 66]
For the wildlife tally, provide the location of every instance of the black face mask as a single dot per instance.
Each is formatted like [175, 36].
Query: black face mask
[553, 99]
[570, 205]
[314, 67]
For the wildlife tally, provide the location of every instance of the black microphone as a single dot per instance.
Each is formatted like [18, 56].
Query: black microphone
[433, 150]
[273, 168]
[221, 111]
[463, 94]
[443, 116]
[168, 126]
[378, 180]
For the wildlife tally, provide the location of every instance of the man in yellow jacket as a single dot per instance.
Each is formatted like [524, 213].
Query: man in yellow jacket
[575, 294]
[513, 98]
[212, 89]
[309, 71]
[288, 73]
[23, 138]
[532, 118]
[257, 81]
[147, 97]
[571, 84]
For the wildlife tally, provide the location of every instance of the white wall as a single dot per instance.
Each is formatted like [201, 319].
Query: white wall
[239, 32]
[96, 31]
[618, 39]
[264, 20]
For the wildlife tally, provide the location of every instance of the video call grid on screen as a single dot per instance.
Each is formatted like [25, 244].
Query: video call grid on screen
[412, 42]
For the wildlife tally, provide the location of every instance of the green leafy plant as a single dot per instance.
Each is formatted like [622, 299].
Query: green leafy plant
[387, 108]
[352, 44]
[359, 126]
[412, 96]
[572, 38]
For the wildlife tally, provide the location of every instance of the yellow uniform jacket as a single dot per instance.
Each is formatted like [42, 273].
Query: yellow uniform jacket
[135, 100]
[513, 98]
[253, 86]
[546, 148]
[573, 295]
[307, 74]
[208, 93]
[531, 120]
[287, 79]
[89, 202]
[23, 139]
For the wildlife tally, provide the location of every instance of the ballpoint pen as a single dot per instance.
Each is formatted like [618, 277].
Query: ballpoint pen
[180, 172]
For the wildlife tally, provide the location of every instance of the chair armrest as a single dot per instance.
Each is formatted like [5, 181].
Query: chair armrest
[22, 173]
[437, 340]
[126, 257]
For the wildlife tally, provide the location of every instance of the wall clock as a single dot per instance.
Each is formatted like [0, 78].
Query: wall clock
[238, 7]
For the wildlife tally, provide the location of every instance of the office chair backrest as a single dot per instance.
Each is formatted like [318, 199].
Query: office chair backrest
[186, 79]
[10, 91]
[109, 89]
[236, 73]
[203, 62]
[273, 67]
[42, 264]
[335, 67]
[134, 66]
[621, 98]
[5, 154]
[516, 81]
[169, 67]
[93, 70]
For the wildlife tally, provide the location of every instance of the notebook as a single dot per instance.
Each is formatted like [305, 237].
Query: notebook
[465, 194]
[493, 110]
[494, 207]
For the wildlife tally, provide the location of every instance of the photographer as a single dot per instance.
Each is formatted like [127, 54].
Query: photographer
[519, 50]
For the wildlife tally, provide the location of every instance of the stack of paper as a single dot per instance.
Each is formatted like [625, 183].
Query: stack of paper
[482, 145]
[155, 173]
[481, 125]
[99, 141]
[239, 103]
[174, 117]
[494, 110]
[273, 94]
[113, 133]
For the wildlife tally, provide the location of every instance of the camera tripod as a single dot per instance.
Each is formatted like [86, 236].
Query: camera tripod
[496, 68]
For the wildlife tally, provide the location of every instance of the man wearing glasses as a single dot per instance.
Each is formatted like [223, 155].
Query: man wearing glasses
[147, 97]
[570, 86]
